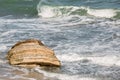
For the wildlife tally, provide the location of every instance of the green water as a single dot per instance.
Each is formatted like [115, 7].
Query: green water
[18, 7]
[28, 8]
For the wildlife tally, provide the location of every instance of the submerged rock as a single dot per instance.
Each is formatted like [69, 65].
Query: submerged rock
[32, 53]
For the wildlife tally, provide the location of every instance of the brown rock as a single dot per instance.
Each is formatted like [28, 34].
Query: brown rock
[32, 53]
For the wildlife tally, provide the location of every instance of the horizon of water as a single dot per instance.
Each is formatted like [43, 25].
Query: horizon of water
[85, 35]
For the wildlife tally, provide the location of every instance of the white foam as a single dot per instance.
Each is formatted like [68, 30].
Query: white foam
[50, 11]
[70, 57]
[107, 60]
[64, 76]
[107, 13]
[47, 12]
[8, 33]
[3, 48]
[1, 61]
[18, 76]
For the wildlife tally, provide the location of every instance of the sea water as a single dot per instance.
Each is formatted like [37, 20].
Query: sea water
[85, 35]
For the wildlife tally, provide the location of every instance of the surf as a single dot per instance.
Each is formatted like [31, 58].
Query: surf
[46, 9]
[63, 11]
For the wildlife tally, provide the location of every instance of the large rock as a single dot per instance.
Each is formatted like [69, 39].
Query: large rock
[32, 53]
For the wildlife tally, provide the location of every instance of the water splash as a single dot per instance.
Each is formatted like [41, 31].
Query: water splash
[46, 11]
[107, 13]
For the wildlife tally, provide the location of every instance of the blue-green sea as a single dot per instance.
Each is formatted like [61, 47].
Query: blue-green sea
[84, 34]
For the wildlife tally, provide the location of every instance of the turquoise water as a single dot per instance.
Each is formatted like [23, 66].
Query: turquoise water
[85, 35]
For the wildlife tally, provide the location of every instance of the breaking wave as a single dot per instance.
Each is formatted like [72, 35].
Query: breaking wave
[55, 8]
[61, 11]
[47, 10]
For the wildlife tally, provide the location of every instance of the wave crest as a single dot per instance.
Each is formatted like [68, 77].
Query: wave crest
[107, 13]
[47, 11]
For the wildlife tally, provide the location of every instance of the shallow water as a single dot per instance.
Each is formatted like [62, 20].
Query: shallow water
[88, 46]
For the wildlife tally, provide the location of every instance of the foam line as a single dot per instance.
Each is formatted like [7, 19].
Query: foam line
[63, 76]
